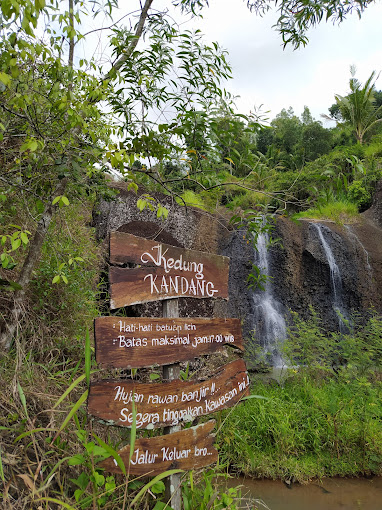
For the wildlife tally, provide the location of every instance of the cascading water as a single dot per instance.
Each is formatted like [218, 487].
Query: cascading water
[268, 320]
[356, 241]
[335, 278]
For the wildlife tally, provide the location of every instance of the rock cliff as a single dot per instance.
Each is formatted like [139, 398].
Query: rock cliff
[330, 267]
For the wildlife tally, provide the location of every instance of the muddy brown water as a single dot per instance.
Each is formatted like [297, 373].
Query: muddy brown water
[327, 494]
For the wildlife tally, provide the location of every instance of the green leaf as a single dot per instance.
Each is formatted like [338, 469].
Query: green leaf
[58, 502]
[57, 199]
[64, 279]
[23, 399]
[249, 397]
[1, 468]
[40, 206]
[113, 453]
[141, 204]
[76, 460]
[5, 79]
[32, 146]
[153, 482]
[72, 412]
[64, 200]
[24, 238]
[160, 505]
[158, 488]
[56, 279]
[87, 358]
[132, 186]
[133, 432]
[15, 244]
[82, 481]
[99, 479]
[71, 388]
[30, 432]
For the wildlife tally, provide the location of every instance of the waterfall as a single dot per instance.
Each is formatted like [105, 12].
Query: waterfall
[335, 277]
[268, 319]
[357, 241]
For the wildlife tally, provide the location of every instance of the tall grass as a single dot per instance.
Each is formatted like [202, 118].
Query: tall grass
[324, 420]
[339, 211]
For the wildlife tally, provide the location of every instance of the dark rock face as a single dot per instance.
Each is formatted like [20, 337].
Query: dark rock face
[240, 300]
[302, 274]
[188, 228]
[375, 212]
[306, 276]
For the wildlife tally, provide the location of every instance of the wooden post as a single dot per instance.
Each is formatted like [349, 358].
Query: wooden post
[170, 308]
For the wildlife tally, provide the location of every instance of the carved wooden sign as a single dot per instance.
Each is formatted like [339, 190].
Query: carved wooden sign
[142, 342]
[168, 403]
[166, 272]
[190, 448]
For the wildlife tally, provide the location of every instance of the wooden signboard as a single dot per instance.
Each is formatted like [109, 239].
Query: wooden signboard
[142, 342]
[166, 272]
[190, 448]
[168, 403]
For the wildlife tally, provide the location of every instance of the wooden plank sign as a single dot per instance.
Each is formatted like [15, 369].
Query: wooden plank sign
[142, 342]
[167, 272]
[168, 403]
[190, 448]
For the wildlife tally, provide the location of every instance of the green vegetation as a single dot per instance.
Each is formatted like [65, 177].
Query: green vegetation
[338, 211]
[67, 125]
[324, 416]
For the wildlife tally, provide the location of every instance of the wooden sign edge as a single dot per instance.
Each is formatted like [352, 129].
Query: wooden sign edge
[119, 297]
[184, 418]
[206, 437]
[116, 233]
[176, 354]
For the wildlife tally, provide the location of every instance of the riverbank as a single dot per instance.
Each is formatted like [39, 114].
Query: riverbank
[306, 429]
[322, 420]
[333, 493]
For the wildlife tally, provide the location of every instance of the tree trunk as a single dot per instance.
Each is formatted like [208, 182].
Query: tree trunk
[25, 276]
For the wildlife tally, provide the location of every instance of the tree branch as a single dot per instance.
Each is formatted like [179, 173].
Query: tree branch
[71, 38]
[129, 50]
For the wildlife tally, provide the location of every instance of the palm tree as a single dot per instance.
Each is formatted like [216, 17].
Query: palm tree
[358, 108]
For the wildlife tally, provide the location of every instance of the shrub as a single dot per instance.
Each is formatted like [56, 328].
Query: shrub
[359, 195]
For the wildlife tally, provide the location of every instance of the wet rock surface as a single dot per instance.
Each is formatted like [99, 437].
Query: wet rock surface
[301, 273]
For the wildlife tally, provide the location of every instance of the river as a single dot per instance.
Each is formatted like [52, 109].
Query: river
[327, 494]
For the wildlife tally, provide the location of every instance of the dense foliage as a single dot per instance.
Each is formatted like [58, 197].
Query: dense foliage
[156, 115]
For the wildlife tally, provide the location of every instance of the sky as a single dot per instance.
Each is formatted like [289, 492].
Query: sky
[265, 74]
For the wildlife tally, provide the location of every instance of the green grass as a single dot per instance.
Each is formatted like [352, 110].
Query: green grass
[338, 211]
[325, 419]
[305, 429]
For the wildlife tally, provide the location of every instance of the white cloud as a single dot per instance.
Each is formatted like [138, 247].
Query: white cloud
[266, 74]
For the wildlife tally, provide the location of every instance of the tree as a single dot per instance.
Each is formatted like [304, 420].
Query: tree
[52, 129]
[358, 108]
[54, 135]
[315, 140]
[287, 128]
